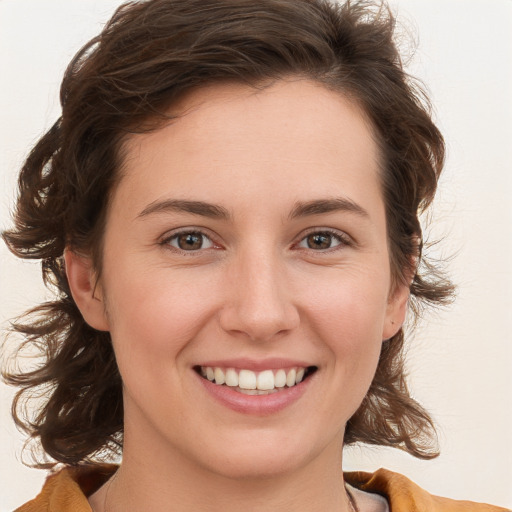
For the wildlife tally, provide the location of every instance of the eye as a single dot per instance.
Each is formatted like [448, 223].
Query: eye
[189, 241]
[322, 240]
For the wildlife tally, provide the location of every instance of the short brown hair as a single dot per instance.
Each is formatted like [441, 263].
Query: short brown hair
[124, 81]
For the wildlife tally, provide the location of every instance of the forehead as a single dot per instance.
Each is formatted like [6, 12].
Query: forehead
[295, 134]
[297, 107]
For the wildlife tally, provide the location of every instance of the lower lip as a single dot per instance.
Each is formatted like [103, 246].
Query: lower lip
[258, 405]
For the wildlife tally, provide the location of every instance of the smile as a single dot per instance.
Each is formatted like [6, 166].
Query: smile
[256, 383]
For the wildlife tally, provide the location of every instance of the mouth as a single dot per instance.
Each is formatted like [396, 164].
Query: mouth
[249, 382]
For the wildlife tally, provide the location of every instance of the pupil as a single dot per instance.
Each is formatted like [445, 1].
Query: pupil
[319, 241]
[190, 241]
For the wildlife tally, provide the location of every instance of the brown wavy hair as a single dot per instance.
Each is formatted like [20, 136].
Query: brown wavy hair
[125, 80]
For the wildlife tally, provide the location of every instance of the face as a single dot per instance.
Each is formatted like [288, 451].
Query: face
[246, 278]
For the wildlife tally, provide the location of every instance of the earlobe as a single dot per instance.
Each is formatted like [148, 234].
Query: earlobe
[396, 312]
[86, 292]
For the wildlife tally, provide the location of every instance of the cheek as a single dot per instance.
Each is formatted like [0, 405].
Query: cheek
[154, 314]
[348, 305]
[154, 318]
[352, 332]
[346, 317]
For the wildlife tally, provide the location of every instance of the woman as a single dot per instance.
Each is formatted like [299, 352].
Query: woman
[229, 210]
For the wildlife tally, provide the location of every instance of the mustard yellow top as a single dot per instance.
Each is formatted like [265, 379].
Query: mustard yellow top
[67, 491]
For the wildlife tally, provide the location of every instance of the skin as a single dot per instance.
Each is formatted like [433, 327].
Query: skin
[255, 289]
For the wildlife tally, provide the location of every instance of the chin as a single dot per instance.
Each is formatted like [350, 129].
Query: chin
[261, 456]
[244, 467]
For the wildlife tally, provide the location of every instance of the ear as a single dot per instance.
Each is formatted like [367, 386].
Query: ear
[398, 301]
[86, 291]
[396, 311]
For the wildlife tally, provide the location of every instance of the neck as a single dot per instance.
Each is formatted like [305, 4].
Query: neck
[161, 481]
[158, 475]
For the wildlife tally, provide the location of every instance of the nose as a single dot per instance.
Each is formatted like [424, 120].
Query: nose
[258, 305]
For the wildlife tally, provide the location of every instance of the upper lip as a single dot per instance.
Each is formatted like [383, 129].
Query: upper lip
[254, 364]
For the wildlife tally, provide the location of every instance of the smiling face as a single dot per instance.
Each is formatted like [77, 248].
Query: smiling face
[246, 279]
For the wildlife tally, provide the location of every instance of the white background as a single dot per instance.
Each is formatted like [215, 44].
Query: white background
[460, 359]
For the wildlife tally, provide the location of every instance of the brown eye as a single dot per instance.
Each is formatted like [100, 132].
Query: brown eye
[190, 241]
[321, 241]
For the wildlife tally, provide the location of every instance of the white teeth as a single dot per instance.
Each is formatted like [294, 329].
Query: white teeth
[265, 380]
[252, 383]
[247, 379]
[219, 376]
[248, 391]
[290, 378]
[231, 378]
[256, 391]
[280, 379]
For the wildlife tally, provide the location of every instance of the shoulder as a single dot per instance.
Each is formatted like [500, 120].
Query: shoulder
[404, 495]
[66, 489]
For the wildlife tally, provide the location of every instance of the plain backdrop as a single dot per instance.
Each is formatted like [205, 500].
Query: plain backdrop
[460, 359]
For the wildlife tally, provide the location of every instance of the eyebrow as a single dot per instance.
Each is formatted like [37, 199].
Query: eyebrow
[320, 206]
[300, 209]
[181, 205]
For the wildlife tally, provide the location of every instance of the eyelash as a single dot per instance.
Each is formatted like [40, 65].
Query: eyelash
[343, 240]
[174, 236]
